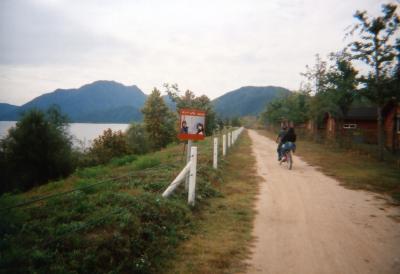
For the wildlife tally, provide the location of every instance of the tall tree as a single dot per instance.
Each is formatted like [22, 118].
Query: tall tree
[158, 120]
[36, 150]
[316, 76]
[375, 48]
[292, 108]
[189, 100]
[342, 84]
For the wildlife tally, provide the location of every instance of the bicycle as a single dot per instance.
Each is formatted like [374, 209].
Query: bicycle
[287, 157]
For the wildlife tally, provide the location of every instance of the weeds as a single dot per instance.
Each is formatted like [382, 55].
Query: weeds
[121, 226]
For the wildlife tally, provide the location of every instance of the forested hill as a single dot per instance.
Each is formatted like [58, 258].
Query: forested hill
[100, 101]
[247, 100]
[112, 102]
[6, 108]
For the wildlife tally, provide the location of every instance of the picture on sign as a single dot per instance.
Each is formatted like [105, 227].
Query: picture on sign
[192, 124]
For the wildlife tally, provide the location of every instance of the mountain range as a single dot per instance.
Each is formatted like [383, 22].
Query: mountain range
[112, 102]
[246, 101]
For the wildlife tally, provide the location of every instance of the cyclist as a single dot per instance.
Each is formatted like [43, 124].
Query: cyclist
[288, 141]
[281, 134]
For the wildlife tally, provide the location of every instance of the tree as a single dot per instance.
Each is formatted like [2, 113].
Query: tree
[189, 100]
[293, 108]
[107, 146]
[137, 138]
[159, 121]
[36, 150]
[316, 76]
[342, 84]
[317, 86]
[375, 48]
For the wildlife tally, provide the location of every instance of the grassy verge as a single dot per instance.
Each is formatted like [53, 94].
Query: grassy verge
[222, 230]
[124, 225]
[353, 169]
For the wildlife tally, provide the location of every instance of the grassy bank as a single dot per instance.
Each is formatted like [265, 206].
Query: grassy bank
[352, 168]
[93, 224]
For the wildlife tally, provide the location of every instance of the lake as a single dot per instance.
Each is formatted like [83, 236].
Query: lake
[83, 133]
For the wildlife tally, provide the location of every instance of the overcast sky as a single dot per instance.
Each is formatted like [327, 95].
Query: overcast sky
[209, 47]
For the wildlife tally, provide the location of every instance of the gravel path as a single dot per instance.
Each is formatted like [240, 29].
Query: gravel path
[308, 223]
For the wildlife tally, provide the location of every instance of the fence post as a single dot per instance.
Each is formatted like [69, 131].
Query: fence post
[215, 158]
[192, 176]
[224, 145]
[188, 149]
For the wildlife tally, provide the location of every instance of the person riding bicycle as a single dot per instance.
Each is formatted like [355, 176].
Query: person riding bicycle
[281, 134]
[288, 142]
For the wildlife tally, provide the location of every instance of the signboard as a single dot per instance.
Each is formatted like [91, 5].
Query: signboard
[192, 124]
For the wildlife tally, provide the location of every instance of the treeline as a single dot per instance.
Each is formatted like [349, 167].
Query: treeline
[39, 148]
[334, 85]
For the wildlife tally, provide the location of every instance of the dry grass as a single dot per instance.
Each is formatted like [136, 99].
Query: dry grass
[222, 230]
[353, 169]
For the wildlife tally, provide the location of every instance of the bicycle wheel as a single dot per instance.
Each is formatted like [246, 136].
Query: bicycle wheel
[289, 159]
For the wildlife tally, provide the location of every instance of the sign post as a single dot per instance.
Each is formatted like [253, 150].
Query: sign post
[191, 127]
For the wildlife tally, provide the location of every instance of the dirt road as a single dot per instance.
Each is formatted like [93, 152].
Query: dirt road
[308, 223]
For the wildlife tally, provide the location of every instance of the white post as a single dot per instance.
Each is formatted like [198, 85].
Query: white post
[224, 145]
[189, 146]
[229, 139]
[176, 182]
[192, 176]
[215, 158]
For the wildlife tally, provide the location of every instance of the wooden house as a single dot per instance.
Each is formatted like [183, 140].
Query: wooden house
[391, 114]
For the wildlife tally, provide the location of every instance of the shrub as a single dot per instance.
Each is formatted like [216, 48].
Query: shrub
[36, 150]
[137, 138]
[146, 162]
[123, 160]
[108, 145]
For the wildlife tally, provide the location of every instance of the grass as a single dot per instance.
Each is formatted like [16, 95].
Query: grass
[223, 228]
[353, 169]
[124, 225]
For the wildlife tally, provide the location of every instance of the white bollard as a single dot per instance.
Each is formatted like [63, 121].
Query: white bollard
[224, 145]
[192, 176]
[215, 158]
[188, 150]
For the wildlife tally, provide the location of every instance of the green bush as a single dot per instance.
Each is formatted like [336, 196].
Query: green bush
[146, 162]
[36, 150]
[137, 139]
[107, 146]
[123, 160]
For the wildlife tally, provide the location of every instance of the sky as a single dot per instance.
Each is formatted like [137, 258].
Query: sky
[209, 47]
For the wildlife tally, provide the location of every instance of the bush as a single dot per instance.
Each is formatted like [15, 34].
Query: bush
[107, 146]
[146, 162]
[137, 139]
[36, 150]
[123, 160]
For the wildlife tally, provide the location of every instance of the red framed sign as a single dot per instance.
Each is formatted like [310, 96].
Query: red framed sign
[192, 124]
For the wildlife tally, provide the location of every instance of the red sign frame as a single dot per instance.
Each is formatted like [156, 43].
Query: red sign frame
[192, 124]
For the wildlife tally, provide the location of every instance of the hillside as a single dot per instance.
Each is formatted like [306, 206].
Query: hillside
[112, 218]
[246, 100]
[100, 101]
[6, 108]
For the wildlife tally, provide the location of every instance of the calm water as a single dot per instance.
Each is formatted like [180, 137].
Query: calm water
[83, 133]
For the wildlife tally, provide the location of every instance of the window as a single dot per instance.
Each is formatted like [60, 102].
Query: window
[350, 126]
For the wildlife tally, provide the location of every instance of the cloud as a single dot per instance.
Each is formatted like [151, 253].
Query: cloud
[210, 47]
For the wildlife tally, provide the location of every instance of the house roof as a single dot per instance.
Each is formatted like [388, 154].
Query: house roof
[362, 113]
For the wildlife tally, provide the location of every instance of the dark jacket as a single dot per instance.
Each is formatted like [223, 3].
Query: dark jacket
[290, 136]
